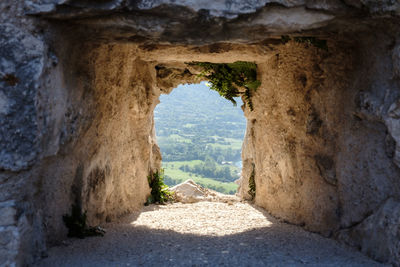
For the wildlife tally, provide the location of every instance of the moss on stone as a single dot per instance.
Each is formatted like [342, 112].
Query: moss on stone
[228, 78]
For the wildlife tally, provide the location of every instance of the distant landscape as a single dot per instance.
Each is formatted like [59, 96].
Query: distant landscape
[200, 135]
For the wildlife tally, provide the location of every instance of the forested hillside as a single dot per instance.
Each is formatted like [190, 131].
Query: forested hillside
[200, 135]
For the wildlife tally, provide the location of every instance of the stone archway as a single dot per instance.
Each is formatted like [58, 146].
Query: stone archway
[322, 137]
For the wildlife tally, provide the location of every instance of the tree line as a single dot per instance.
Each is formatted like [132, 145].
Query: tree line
[210, 169]
[189, 151]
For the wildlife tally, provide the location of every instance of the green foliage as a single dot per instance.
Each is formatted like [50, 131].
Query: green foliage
[252, 184]
[308, 40]
[159, 190]
[285, 38]
[209, 168]
[175, 175]
[194, 123]
[227, 78]
[76, 224]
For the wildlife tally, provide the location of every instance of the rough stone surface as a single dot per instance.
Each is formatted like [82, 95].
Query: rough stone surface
[296, 121]
[200, 22]
[7, 215]
[14, 234]
[393, 124]
[396, 61]
[21, 64]
[108, 132]
[378, 236]
[190, 192]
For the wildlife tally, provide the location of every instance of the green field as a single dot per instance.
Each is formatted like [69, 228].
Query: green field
[172, 171]
[234, 144]
[180, 176]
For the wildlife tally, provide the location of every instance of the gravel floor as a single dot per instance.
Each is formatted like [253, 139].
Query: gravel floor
[203, 234]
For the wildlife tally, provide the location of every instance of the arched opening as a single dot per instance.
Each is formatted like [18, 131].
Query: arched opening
[200, 136]
[294, 145]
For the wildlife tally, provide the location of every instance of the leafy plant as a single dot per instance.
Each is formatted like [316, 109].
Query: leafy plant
[308, 40]
[227, 78]
[252, 184]
[159, 190]
[76, 224]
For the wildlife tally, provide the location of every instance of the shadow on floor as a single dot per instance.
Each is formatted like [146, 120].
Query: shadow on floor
[279, 244]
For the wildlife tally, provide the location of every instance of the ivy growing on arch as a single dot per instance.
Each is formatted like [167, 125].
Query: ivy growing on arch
[228, 78]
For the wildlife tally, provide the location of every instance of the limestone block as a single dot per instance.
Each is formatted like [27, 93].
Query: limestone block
[21, 64]
[189, 192]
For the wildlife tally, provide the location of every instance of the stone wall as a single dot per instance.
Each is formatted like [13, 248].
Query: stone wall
[107, 137]
[296, 120]
[87, 138]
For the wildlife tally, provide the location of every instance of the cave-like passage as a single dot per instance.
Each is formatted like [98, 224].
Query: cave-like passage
[205, 233]
[200, 135]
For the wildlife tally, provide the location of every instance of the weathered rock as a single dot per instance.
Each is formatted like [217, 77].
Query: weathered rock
[190, 192]
[7, 215]
[279, 19]
[9, 241]
[14, 236]
[379, 234]
[396, 61]
[201, 22]
[393, 124]
[21, 64]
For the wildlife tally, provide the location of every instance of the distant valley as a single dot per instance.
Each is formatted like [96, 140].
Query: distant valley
[200, 135]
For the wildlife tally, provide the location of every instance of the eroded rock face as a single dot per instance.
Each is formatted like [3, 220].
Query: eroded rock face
[378, 235]
[108, 132]
[190, 192]
[77, 95]
[22, 63]
[206, 22]
[296, 121]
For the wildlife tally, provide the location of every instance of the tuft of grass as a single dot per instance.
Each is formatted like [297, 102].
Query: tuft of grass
[308, 40]
[227, 78]
[178, 176]
[159, 190]
[77, 226]
[252, 184]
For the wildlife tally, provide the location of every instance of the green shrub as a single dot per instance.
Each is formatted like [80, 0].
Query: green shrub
[252, 184]
[159, 190]
[308, 40]
[76, 224]
[227, 78]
